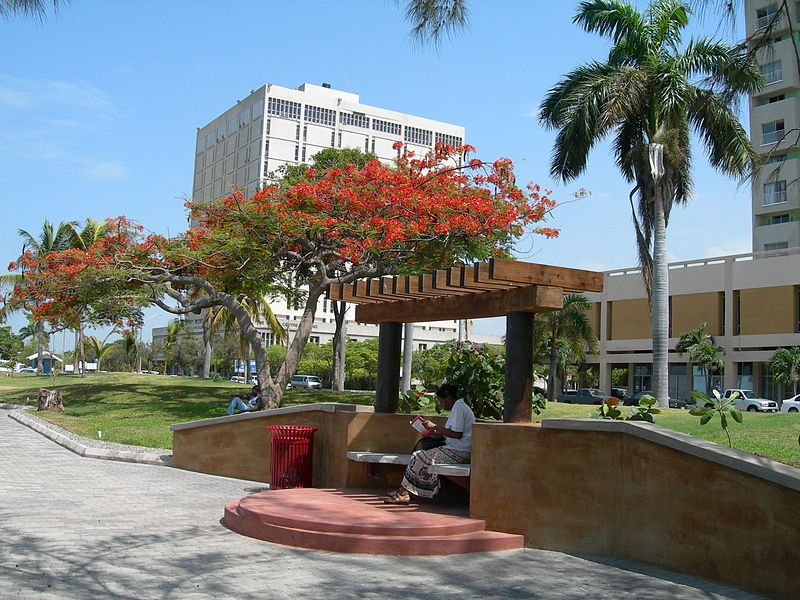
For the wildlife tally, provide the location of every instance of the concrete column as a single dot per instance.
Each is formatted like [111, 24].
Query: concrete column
[604, 375]
[519, 368]
[387, 385]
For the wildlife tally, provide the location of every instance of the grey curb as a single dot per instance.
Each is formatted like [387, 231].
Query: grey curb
[122, 454]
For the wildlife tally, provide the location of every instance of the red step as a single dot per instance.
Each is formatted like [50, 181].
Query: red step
[345, 521]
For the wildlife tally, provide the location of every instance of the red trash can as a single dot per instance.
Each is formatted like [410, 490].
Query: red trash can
[292, 449]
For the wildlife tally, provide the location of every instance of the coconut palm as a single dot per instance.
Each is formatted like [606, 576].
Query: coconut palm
[785, 366]
[35, 9]
[52, 238]
[99, 348]
[702, 351]
[571, 327]
[650, 94]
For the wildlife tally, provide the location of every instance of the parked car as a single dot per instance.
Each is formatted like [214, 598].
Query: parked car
[621, 393]
[306, 382]
[27, 370]
[748, 400]
[791, 405]
[584, 396]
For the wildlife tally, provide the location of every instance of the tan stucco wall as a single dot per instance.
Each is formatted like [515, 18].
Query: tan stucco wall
[612, 494]
[629, 320]
[767, 310]
[689, 310]
[593, 315]
[240, 447]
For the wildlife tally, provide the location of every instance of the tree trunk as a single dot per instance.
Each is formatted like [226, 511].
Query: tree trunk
[408, 350]
[339, 345]
[39, 350]
[660, 302]
[552, 372]
[81, 354]
[208, 349]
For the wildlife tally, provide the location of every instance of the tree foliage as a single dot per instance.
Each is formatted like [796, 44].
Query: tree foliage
[337, 226]
[784, 365]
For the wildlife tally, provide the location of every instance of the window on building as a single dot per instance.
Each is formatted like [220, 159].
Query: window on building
[775, 158]
[297, 132]
[366, 143]
[772, 246]
[283, 108]
[269, 125]
[258, 109]
[744, 376]
[313, 339]
[266, 148]
[232, 126]
[317, 114]
[354, 120]
[772, 132]
[386, 127]
[296, 152]
[778, 219]
[305, 133]
[415, 135]
[373, 146]
[766, 15]
[774, 192]
[244, 117]
[448, 140]
[772, 72]
[269, 338]
[221, 132]
[774, 99]
[641, 378]
[304, 153]
[333, 138]
[737, 312]
[423, 346]
[339, 139]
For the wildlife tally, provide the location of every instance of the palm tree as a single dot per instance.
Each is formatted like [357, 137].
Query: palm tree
[570, 332]
[434, 20]
[50, 239]
[100, 348]
[174, 327]
[650, 94]
[785, 366]
[35, 9]
[702, 351]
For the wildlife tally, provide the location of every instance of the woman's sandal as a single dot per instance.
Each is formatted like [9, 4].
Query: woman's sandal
[396, 498]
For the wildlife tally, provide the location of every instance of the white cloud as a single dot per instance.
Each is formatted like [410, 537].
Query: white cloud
[33, 94]
[106, 171]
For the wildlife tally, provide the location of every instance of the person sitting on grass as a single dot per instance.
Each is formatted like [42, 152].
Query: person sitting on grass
[254, 402]
[457, 432]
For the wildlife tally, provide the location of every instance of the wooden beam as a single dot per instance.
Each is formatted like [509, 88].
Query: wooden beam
[538, 298]
[576, 280]
[482, 275]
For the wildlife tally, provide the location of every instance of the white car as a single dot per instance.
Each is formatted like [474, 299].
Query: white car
[748, 400]
[791, 405]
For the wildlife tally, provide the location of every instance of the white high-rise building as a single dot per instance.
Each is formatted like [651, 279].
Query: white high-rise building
[275, 126]
[774, 123]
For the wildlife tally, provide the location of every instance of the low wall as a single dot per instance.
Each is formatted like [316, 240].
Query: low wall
[641, 492]
[239, 445]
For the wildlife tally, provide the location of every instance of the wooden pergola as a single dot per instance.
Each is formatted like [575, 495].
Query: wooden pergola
[498, 287]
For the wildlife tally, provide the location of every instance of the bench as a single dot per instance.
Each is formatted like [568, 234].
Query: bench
[459, 473]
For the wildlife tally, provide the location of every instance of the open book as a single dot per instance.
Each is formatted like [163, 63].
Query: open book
[418, 423]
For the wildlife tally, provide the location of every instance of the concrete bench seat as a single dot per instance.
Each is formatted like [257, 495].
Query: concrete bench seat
[384, 458]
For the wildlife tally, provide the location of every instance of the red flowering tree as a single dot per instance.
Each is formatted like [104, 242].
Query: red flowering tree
[337, 226]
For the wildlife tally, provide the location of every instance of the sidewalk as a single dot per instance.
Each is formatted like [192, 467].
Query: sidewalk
[77, 528]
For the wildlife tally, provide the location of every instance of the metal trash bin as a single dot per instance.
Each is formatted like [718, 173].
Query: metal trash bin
[292, 449]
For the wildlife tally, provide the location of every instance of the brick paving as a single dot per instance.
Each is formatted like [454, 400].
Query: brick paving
[75, 528]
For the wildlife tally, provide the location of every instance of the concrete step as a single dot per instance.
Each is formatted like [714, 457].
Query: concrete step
[354, 522]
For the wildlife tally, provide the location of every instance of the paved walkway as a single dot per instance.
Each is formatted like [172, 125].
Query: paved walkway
[75, 528]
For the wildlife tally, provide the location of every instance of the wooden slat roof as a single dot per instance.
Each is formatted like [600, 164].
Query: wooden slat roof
[492, 288]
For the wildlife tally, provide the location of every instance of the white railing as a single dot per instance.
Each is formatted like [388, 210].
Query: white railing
[716, 260]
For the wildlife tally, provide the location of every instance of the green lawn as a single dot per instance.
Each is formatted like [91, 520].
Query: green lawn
[138, 409]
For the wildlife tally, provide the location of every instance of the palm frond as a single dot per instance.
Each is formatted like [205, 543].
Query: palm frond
[434, 20]
[610, 18]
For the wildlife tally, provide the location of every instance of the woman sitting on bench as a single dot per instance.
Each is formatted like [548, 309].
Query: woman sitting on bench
[457, 432]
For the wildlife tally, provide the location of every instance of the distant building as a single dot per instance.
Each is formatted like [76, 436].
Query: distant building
[275, 126]
[49, 361]
[774, 126]
[750, 303]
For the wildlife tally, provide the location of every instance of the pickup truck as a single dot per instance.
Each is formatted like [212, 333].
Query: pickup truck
[584, 396]
[748, 400]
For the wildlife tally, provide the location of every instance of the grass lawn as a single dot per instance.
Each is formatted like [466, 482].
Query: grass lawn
[130, 408]
[138, 409]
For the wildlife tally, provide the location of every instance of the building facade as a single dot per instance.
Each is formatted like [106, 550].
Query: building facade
[775, 126]
[749, 302]
[245, 146]
[276, 126]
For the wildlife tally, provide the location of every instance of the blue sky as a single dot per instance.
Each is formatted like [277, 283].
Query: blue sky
[99, 108]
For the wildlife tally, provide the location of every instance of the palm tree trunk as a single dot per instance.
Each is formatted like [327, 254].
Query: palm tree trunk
[81, 355]
[660, 302]
[208, 349]
[408, 350]
[552, 372]
[39, 348]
